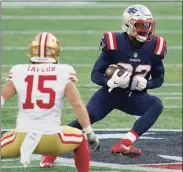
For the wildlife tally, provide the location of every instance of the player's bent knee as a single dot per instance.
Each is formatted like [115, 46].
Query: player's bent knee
[71, 130]
[7, 147]
[157, 103]
[70, 139]
[95, 117]
[95, 114]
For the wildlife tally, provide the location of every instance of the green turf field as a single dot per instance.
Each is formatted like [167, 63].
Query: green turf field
[80, 39]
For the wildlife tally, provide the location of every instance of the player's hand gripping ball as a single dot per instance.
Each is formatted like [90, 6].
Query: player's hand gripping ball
[112, 68]
[118, 77]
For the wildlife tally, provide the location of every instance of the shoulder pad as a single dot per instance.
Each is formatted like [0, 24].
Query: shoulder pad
[71, 73]
[70, 68]
[108, 41]
[160, 46]
[11, 72]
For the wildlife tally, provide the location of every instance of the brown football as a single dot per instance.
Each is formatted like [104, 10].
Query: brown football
[112, 68]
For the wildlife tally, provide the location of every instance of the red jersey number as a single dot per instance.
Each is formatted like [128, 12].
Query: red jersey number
[28, 102]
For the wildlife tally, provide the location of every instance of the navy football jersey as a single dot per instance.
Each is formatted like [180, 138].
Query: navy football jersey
[144, 60]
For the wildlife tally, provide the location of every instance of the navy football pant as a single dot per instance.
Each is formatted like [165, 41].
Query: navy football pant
[137, 103]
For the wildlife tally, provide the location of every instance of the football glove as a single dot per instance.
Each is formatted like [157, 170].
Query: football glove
[141, 83]
[117, 81]
[93, 141]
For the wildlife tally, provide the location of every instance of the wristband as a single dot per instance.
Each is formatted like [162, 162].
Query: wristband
[88, 129]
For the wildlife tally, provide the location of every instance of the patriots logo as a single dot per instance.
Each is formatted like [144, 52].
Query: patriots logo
[102, 45]
[132, 10]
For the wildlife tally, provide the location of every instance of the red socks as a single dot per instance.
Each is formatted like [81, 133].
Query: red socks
[82, 157]
[129, 138]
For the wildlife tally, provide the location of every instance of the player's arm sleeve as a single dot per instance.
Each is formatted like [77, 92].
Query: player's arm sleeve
[157, 73]
[97, 75]
[103, 61]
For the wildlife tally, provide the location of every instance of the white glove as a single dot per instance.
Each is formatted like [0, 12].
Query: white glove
[117, 81]
[93, 141]
[141, 83]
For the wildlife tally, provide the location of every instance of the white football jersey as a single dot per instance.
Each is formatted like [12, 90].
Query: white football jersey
[40, 92]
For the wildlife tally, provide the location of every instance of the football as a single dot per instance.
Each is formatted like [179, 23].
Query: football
[112, 68]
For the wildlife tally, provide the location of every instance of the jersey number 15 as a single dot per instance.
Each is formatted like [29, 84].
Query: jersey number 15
[41, 79]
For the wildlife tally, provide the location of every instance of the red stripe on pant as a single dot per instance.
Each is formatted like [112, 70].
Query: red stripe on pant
[7, 137]
[67, 142]
[7, 143]
[74, 135]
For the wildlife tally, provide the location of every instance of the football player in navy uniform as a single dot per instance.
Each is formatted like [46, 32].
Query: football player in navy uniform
[141, 53]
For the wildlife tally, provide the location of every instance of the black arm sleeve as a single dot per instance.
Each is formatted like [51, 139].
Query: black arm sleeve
[157, 73]
[97, 75]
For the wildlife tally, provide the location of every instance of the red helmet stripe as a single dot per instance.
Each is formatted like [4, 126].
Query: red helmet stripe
[45, 45]
[42, 44]
[39, 50]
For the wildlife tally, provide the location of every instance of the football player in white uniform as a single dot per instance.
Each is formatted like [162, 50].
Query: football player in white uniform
[40, 88]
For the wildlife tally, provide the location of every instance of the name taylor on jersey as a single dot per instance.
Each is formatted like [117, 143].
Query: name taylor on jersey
[42, 69]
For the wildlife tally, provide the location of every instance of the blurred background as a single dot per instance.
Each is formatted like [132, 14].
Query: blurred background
[80, 26]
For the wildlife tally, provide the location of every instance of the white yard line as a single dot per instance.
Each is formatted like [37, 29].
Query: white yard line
[172, 98]
[70, 163]
[172, 84]
[5, 74]
[127, 129]
[175, 158]
[76, 48]
[64, 5]
[124, 129]
[78, 17]
[154, 93]
[104, 171]
[77, 32]
[69, 107]
[104, 165]
[91, 65]
[76, 4]
[166, 84]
